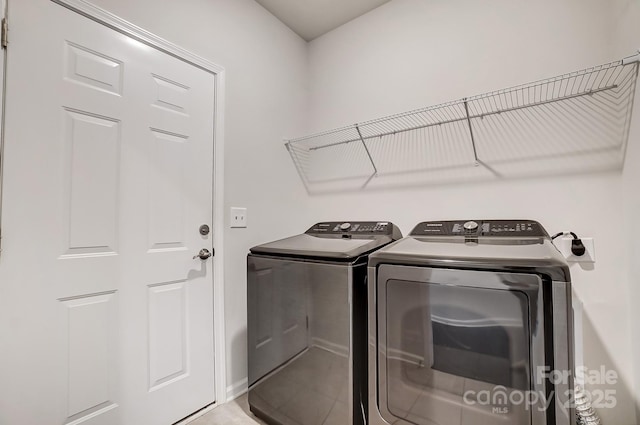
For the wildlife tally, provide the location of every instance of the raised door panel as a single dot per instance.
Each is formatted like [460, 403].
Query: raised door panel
[92, 183]
[167, 219]
[93, 69]
[171, 103]
[168, 336]
[91, 358]
[170, 95]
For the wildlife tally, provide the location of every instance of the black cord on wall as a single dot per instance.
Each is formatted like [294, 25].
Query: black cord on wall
[577, 247]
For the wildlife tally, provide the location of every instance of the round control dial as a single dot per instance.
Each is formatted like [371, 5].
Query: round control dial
[470, 225]
[345, 226]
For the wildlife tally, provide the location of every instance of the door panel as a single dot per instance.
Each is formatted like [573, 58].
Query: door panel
[92, 158]
[166, 179]
[93, 69]
[168, 345]
[108, 176]
[90, 363]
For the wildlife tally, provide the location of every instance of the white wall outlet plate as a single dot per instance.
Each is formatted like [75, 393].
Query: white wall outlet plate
[238, 217]
[564, 246]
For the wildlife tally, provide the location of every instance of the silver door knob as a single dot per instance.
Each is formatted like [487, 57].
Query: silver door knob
[203, 254]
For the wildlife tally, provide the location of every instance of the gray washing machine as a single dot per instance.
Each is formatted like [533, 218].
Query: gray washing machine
[466, 321]
[307, 312]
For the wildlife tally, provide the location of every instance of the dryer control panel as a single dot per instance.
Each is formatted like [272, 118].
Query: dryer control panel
[480, 228]
[352, 228]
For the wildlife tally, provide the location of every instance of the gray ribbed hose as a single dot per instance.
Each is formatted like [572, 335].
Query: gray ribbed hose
[585, 413]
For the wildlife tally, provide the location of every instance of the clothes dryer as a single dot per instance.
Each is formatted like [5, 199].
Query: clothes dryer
[468, 320]
[307, 312]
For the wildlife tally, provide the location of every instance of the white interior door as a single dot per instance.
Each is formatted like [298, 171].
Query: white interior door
[106, 317]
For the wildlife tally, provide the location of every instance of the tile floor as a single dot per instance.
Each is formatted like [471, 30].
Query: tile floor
[235, 412]
[437, 405]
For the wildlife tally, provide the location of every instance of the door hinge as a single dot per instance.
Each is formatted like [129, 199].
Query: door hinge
[4, 37]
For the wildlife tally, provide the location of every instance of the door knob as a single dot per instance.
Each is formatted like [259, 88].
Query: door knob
[203, 254]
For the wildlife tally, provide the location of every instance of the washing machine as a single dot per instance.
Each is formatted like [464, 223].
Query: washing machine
[470, 323]
[307, 331]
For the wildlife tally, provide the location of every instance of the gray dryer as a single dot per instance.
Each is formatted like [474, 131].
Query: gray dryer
[466, 321]
[307, 312]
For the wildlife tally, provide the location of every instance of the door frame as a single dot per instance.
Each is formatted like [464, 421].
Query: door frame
[103, 17]
[3, 83]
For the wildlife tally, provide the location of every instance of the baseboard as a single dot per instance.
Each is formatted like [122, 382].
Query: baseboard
[233, 391]
[197, 414]
[236, 389]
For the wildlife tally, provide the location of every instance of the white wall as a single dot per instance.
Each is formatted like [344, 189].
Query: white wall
[413, 53]
[408, 54]
[266, 88]
[626, 39]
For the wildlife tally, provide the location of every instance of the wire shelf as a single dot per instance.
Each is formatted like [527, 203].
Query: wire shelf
[576, 122]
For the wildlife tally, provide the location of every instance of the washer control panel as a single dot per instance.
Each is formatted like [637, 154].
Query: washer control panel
[478, 228]
[352, 228]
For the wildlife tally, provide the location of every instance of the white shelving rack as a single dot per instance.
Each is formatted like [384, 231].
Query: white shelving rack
[572, 123]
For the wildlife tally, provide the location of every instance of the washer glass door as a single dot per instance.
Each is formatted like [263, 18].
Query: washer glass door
[458, 347]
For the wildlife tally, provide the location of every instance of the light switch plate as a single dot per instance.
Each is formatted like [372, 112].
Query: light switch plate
[564, 245]
[238, 217]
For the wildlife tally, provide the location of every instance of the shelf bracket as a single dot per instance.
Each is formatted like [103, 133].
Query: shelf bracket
[473, 140]
[296, 163]
[366, 149]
